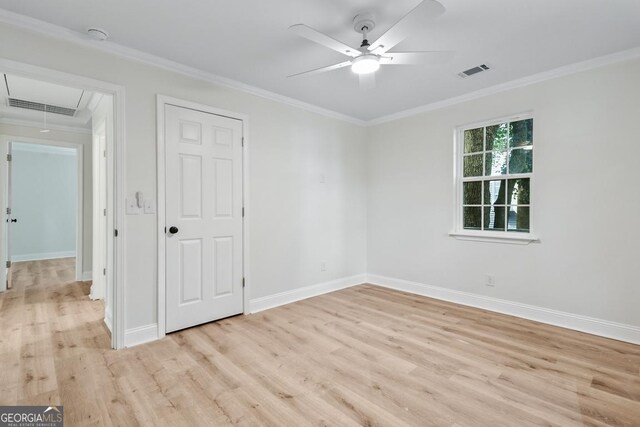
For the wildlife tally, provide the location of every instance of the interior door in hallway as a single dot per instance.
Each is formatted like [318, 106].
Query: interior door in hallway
[203, 208]
[10, 220]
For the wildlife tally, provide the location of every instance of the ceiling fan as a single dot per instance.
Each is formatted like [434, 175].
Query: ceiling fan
[368, 58]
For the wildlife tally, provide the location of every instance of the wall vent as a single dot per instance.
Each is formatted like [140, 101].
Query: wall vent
[474, 70]
[29, 105]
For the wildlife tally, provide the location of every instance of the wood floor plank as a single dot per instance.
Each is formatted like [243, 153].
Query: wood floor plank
[360, 356]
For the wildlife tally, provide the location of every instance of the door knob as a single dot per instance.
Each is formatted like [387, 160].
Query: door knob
[14, 220]
[173, 229]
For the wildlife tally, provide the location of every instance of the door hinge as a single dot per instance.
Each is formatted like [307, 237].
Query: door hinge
[243, 212]
[9, 157]
[104, 153]
[243, 282]
[104, 212]
[8, 211]
[9, 266]
[115, 232]
[104, 271]
[243, 141]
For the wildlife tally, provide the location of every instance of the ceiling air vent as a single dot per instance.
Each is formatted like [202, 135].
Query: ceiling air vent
[474, 70]
[29, 105]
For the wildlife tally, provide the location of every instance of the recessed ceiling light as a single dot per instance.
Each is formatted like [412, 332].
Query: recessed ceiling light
[97, 34]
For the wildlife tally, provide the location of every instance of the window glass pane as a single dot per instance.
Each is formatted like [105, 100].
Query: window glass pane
[518, 192]
[495, 192]
[495, 163]
[521, 161]
[497, 137]
[521, 133]
[473, 165]
[472, 193]
[473, 140]
[518, 219]
[472, 218]
[494, 218]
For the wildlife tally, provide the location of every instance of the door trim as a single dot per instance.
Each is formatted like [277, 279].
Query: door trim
[117, 168]
[161, 101]
[5, 140]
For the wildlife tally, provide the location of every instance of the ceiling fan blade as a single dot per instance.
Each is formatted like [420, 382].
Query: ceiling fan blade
[323, 39]
[428, 58]
[426, 10]
[323, 69]
[367, 81]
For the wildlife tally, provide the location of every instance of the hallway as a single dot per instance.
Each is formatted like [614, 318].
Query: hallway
[48, 329]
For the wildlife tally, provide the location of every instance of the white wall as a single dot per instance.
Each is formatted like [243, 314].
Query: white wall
[72, 137]
[43, 200]
[586, 198]
[294, 223]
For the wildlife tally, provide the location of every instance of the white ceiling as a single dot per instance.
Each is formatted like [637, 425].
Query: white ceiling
[248, 41]
[41, 92]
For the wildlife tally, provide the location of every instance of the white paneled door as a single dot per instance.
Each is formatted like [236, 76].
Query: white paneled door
[203, 217]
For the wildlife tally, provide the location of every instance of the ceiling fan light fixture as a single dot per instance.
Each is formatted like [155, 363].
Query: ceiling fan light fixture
[365, 64]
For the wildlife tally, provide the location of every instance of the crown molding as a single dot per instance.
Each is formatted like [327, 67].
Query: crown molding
[590, 64]
[38, 125]
[66, 34]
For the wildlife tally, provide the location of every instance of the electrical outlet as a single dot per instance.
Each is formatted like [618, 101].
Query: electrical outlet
[323, 266]
[490, 280]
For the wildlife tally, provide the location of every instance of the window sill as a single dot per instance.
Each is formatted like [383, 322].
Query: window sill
[496, 237]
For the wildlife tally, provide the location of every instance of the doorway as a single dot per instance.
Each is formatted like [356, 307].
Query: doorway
[41, 111]
[44, 193]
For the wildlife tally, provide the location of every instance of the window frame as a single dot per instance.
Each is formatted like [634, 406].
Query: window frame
[459, 232]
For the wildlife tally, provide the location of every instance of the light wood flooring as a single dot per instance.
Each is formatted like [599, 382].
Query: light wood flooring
[360, 356]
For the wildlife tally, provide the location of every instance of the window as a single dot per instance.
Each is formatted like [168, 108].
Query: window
[495, 167]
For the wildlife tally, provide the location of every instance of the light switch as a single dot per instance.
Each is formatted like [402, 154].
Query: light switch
[149, 206]
[132, 206]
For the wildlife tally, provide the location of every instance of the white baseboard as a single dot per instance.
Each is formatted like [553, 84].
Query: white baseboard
[590, 325]
[140, 335]
[43, 255]
[86, 276]
[604, 328]
[271, 301]
[107, 320]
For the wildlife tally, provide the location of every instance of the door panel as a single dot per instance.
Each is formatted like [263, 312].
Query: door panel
[204, 201]
[191, 186]
[9, 218]
[100, 230]
[223, 265]
[191, 282]
[223, 191]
